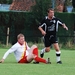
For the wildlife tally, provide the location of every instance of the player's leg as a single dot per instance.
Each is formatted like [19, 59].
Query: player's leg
[56, 46]
[46, 49]
[30, 56]
[47, 46]
[33, 55]
[58, 53]
[33, 51]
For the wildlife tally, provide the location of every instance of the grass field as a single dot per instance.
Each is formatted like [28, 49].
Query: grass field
[10, 67]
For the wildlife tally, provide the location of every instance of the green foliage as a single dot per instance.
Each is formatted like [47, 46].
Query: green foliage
[68, 2]
[24, 22]
[68, 19]
[19, 22]
[73, 3]
[40, 9]
[2, 34]
[5, 1]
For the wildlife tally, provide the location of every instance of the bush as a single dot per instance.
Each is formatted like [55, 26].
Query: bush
[5, 1]
[24, 22]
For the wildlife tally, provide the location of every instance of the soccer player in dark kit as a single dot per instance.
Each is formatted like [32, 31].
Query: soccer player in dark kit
[49, 28]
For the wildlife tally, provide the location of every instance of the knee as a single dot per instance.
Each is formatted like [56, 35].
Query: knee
[47, 49]
[57, 49]
[34, 46]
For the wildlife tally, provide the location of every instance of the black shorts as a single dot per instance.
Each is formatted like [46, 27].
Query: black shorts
[49, 40]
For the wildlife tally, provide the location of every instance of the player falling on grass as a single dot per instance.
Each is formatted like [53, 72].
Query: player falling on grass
[48, 28]
[23, 53]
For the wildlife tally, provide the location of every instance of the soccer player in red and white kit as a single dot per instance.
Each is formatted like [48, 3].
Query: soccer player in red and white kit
[23, 53]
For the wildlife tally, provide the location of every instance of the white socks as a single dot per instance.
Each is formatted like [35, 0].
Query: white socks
[43, 50]
[58, 56]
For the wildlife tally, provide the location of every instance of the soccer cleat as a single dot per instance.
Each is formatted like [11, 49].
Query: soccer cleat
[59, 62]
[41, 54]
[48, 61]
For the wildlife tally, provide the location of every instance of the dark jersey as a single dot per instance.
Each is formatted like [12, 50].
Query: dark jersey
[50, 26]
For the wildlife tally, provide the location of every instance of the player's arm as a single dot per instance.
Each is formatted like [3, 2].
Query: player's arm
[42, 26]
[64, 26]
[42, 31]
[12, 49]
[5, 55]
[2, 60]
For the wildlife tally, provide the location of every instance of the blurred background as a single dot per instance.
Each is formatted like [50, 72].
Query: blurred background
[24, 16]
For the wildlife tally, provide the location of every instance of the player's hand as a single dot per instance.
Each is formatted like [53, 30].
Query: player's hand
[43, 33]
[64, 26]
[1, 61]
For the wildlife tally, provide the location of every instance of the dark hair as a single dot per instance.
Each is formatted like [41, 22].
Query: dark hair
[50, 9]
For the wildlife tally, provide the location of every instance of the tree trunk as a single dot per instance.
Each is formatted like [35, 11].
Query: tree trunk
[22, 5]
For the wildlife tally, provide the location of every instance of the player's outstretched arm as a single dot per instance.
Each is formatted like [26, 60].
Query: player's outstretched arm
[64, 26]
[1, 61]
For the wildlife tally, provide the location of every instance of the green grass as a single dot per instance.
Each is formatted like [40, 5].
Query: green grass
[10, 67]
